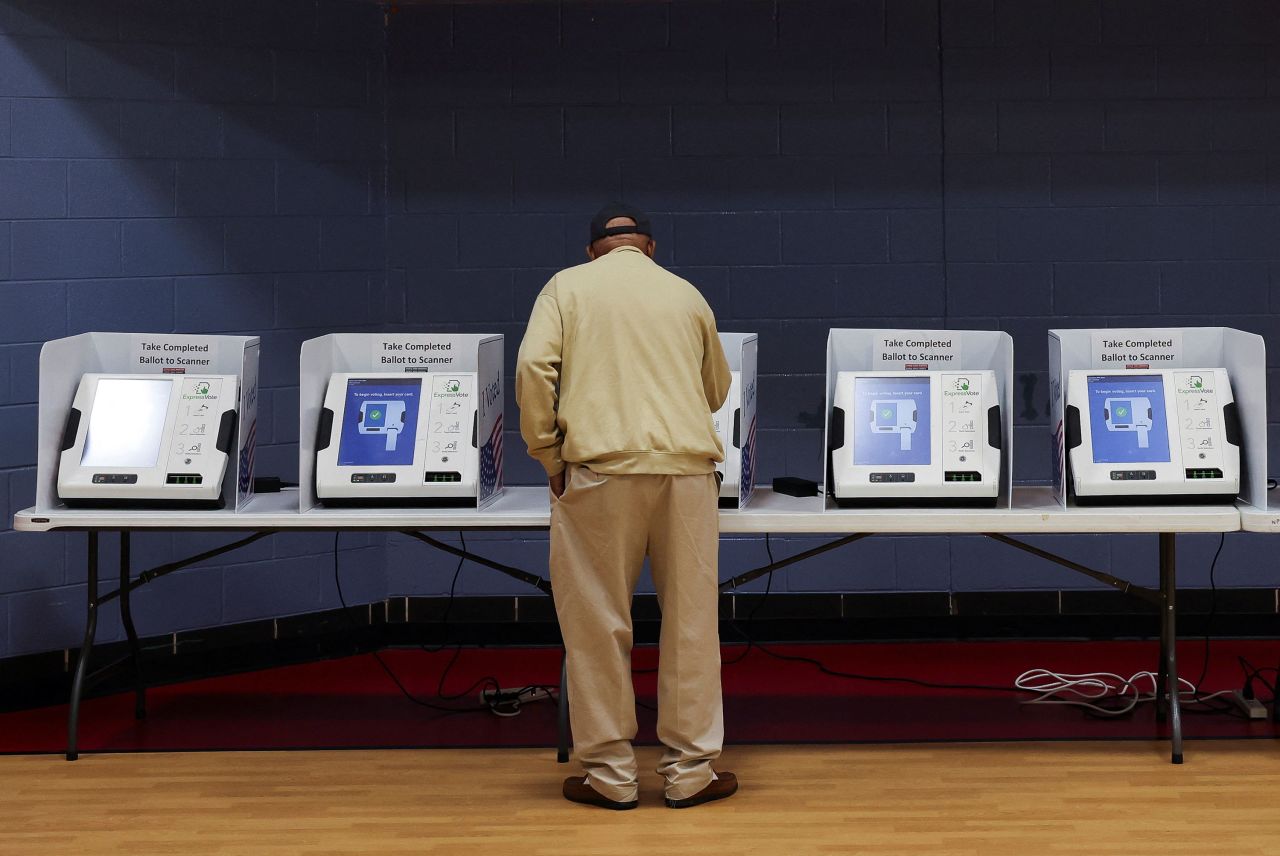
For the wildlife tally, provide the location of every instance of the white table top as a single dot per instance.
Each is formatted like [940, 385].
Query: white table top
[1035, 510]
[1254, 519]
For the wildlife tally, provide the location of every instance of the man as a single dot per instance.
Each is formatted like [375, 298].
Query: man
[618, 375]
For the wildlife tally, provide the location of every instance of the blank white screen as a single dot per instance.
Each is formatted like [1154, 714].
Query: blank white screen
[126, 422]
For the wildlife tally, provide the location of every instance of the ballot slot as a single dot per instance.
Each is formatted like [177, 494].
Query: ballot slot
[398, 439]
[916, 437]
[1152, 436]
[148, 441]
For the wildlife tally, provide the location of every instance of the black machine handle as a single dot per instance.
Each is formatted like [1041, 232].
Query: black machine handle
[324, 430]
[226, 432]
[1072, 426]
[835, 440]
[70, 429]
[1231, 422]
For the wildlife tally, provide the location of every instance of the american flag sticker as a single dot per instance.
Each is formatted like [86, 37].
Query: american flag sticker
[1058, 440]
[748, 464]
[245, 484]
[491, 461]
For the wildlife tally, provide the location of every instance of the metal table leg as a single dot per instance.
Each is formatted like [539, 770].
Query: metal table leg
[1169, 639]
[86, 650]
[562, 747]
[126, 616]
[1162, 670]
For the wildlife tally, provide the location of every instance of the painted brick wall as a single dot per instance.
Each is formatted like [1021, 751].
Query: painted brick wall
[818, 163]
[219, 165]
[195, 166]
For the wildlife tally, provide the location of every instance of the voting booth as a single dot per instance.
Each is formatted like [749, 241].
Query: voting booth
[918, 417]
[735, 421]
[139, 420]
[1158, 415]
[400, 419]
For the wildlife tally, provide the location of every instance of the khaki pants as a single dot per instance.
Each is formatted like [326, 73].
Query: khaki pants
[601, 529]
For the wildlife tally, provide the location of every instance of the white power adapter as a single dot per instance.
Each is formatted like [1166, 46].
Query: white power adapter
[1252, 708]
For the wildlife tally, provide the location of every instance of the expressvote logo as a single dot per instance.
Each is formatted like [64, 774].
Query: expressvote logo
[452, 388]
[199, 392]
[1194, 385]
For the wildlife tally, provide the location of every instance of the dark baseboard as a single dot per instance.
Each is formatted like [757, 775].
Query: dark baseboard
[42, 679]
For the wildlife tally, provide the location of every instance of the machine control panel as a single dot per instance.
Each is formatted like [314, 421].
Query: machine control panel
[449, 423]
[1200, 421]
[196, 429]
[963, 422]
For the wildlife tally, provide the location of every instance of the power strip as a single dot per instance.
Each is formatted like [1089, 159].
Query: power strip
[524, 695]
[1252, 708]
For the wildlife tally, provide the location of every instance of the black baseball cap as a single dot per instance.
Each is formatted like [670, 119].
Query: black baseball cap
[618, 209]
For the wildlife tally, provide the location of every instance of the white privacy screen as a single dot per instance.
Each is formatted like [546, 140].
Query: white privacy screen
[126, 422]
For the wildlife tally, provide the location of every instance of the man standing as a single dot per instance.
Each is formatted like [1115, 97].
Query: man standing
[618, 375]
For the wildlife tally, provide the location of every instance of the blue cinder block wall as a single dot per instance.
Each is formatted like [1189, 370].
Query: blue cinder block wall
[814, 163]
[211, 167]
[289, 167]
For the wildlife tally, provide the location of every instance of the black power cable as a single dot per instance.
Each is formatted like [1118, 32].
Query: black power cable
[751, 617]
[501, 703]
[1252, 674]
[748, 634]
[1213, 610]
[404, 691]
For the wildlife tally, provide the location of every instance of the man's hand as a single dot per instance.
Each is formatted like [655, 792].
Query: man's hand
[557, 484]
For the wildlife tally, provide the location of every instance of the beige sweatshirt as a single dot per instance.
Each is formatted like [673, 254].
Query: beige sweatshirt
[620, 370]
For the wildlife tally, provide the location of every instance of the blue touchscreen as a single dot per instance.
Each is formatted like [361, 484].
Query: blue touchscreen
[379, 422]
[891, 421]
[1127, 422]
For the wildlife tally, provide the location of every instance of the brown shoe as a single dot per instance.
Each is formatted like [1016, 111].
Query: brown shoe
[724, 785]
[577, 790]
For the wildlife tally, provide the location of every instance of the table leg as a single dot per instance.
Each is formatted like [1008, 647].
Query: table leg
[126, 617]
[86, 650]
[1169, 638]
[1162, 670]
[562, 716]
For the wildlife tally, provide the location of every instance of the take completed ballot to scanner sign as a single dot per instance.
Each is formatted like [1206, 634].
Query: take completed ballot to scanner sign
[918, 417]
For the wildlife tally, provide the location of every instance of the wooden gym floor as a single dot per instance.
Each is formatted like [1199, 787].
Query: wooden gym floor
[1120, 798]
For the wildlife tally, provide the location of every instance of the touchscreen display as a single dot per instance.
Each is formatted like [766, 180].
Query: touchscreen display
[891, 423]
[1127, 423]
[126, 422]
[379, 422]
